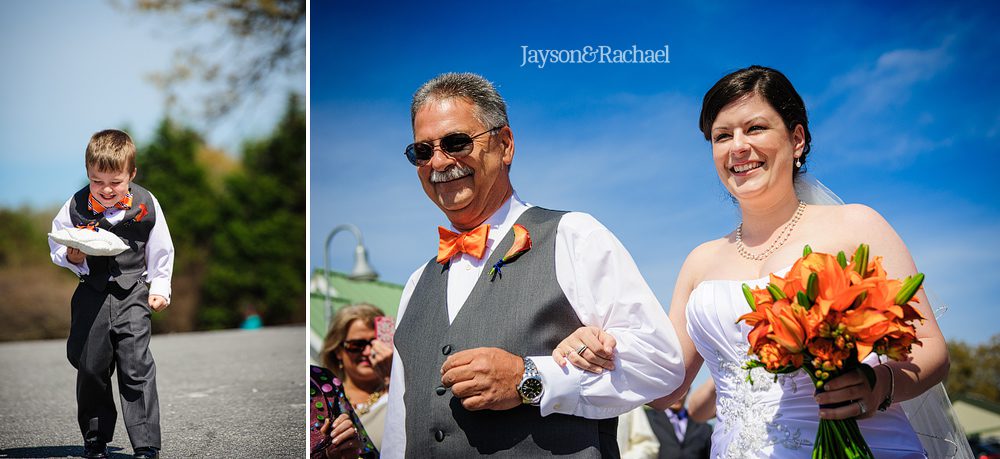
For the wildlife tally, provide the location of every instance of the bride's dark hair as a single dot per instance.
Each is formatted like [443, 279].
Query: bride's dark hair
[770, 84]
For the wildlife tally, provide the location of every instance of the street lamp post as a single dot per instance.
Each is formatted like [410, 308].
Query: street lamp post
[362, 269]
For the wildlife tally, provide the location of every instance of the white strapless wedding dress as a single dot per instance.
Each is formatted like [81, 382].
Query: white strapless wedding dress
[773, 419]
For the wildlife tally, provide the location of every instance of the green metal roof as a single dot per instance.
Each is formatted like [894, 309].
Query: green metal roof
[978, 416]
[346, 291]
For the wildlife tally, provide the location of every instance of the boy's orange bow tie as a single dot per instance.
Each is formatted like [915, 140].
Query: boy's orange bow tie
[470, 242]
[95, 206]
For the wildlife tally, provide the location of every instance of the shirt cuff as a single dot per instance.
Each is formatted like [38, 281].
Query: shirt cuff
[160, 287]
[562, 386]
[81, 269]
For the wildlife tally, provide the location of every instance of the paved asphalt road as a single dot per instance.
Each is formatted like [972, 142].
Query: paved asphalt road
[226, 394]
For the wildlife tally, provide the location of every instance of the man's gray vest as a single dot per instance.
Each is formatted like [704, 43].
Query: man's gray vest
[126, 268]
[523, 311]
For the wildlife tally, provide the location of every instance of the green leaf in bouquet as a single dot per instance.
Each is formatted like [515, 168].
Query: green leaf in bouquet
[749, 296]
[803, 300]
[806, 251]
[841, 259]
[861, 259]
[909, 288]
[812, 287]
[750, 365]
[775, 292]
[785, 370]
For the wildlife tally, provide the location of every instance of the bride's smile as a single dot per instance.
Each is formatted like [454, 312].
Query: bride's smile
[752, 148]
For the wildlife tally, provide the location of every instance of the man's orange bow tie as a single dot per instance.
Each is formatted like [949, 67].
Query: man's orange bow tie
[471, 242]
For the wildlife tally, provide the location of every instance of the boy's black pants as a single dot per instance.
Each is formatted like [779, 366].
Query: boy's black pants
[110, 328]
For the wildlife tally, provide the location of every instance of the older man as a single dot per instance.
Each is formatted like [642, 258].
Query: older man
[477, 323]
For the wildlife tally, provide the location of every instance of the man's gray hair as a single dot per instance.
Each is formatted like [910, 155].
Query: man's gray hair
[490, 109]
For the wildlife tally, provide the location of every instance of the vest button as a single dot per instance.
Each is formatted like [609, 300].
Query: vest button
[446, 349]
[439, 435]
[440, 390]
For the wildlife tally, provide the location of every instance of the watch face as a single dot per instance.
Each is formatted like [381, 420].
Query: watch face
[531, 388]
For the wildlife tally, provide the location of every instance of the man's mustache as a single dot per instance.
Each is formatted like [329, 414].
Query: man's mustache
[452, 173]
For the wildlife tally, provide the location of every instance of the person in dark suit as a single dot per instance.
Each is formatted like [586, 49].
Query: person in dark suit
[680, 436]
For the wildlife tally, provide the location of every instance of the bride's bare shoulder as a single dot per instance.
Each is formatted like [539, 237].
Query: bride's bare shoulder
[857, 223]
[847, 214]
[700, 260]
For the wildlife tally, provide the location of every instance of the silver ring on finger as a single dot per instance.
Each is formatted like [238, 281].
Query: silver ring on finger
[861, 405]
[580, 350]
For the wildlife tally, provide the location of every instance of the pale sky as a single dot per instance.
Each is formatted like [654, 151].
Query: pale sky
[74, 68]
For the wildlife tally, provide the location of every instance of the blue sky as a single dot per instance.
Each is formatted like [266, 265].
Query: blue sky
[74, 68]
[902, 103]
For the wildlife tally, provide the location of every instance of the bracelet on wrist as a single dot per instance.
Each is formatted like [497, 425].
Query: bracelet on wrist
[892, 387]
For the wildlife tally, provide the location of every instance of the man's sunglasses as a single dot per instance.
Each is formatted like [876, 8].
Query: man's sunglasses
[357, 346]
[455, 145]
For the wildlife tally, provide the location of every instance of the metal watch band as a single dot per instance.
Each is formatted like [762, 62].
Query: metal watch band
[529, 368]
[530, 381]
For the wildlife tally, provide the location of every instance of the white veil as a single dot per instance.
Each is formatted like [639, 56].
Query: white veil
[811, 191]
[930, 413]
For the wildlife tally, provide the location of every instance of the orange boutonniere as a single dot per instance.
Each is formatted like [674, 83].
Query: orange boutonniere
[142, 213]
[522, 243]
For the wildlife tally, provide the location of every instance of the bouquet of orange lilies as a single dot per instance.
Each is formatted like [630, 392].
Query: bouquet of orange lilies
[825, 316]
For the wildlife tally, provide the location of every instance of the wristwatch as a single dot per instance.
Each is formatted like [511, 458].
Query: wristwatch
[531, 387]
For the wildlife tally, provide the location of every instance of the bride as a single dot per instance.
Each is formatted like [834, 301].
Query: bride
[757, 125]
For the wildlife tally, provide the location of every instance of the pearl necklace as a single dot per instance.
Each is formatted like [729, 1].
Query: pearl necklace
[778, 242]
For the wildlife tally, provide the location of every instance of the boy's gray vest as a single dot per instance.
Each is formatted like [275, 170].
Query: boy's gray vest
[126, 268]
[522, 311]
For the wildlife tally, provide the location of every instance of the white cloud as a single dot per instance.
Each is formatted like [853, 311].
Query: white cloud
[890, 80]
[871, 114]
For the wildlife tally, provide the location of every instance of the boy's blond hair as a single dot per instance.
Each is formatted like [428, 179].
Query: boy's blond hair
[111, 150]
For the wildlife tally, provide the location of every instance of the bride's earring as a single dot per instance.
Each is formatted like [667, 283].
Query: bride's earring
[798, 162]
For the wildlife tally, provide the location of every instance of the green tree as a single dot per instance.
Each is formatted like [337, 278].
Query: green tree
[975, 370]
[963, 366]
[169, 167]
[23, 241]
[259, 243]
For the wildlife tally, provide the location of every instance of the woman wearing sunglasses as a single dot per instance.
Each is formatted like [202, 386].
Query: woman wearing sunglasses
[362, 363]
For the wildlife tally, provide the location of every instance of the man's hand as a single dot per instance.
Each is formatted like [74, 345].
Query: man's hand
[484, 378]
[75, 256]
[157, 303]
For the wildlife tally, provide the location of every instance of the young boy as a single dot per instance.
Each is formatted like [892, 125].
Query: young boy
[111, 306]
